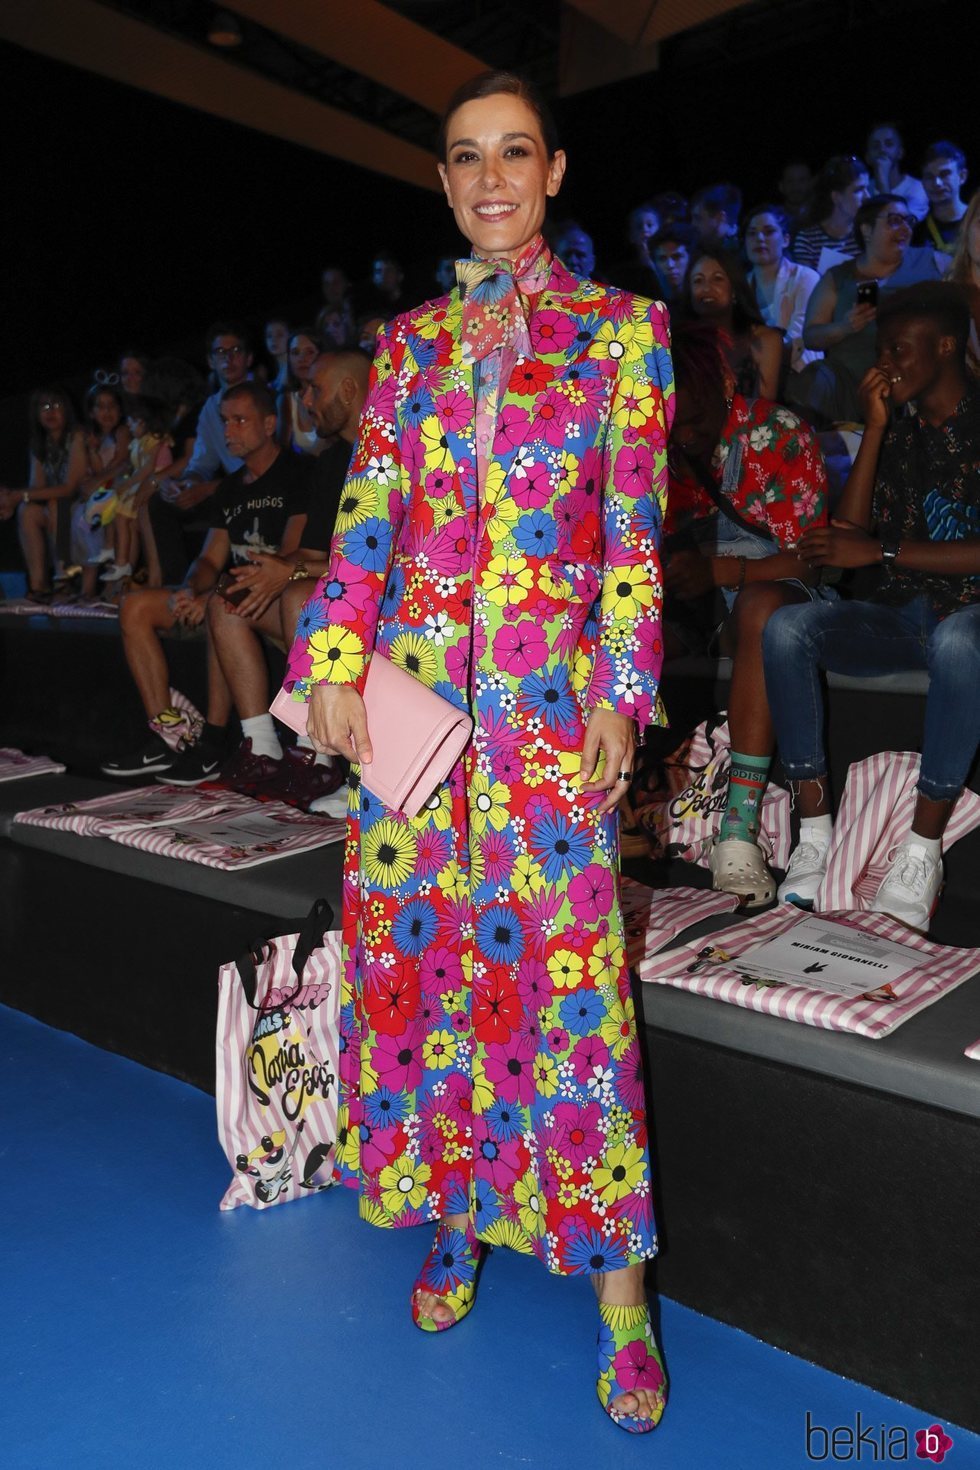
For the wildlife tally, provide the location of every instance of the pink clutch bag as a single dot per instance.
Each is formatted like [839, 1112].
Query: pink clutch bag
[416, 735]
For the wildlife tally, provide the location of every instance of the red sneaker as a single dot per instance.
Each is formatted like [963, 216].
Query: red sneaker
[301, 781]
[252, 775]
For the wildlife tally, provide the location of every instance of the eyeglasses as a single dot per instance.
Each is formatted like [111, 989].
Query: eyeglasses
[894, 221]
[226, 352]
[106, 380]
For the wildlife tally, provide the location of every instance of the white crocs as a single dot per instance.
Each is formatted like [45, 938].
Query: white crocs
[738, 867]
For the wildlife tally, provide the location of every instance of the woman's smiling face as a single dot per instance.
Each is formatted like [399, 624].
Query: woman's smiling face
[497, 175]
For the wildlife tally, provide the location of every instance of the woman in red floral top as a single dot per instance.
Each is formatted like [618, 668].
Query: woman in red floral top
[746, 479]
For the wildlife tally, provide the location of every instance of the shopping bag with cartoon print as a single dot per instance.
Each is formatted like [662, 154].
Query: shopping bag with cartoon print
[277, 1064]
[681, 815]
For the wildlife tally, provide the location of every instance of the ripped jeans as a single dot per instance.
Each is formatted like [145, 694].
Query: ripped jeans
[867, 638]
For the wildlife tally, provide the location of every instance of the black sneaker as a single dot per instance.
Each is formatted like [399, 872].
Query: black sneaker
[150, 760]
[194, 764]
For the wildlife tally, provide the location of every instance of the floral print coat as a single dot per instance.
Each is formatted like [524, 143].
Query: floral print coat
[490, 1059]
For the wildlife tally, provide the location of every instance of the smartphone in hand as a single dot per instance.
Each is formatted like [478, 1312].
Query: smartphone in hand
[867, 293]
[231, 590]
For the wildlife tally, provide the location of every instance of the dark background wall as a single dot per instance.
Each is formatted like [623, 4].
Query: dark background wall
[130, 220]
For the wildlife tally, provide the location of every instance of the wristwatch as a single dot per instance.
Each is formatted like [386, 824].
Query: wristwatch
[300, 572]
[891, 545]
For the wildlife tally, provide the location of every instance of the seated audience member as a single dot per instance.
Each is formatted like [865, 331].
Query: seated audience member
[827, 236]
[367, 331]
[278, 585]
[176, 505]
[444, 274]
[132, 370]
[384, 296]
[746, 480]
[107, 455]
[965, 271]
[260, 507]
[636, 272]
[943, 178]
[841, 325]
[782, 288]
[714, 216]
[335, 319]
[276, 339]
[179, 388]
[149, 456]
[671, 208]
[574, 248]
[911, 508]
[297, 430]
[671, 250]
[721, 294]
[884, 152]
[58, 465]
[795, 186]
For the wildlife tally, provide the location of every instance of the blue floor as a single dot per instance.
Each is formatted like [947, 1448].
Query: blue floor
[144, 1329]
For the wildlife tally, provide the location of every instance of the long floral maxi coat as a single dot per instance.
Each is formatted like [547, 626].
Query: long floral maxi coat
[490, 1062]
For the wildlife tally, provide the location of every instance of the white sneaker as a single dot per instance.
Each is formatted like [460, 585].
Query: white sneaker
[738, 867]
[334, 805]
[909, 890]
[117, 573]
[805, 871]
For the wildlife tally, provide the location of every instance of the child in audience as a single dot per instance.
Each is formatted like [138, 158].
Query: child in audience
[107, 440]
[149, 455]
[746, 479]
[58, 465]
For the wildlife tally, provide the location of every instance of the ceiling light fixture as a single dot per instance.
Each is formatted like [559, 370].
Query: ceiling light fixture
[224, 30]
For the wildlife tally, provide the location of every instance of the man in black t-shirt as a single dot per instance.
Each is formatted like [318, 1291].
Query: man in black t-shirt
[259, 509]
[943, 177]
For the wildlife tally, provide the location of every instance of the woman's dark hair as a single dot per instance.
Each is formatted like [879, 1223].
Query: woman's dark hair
[312, 335]
[491, 84]
[176, 384]
[38, 435]
[96, 390]
[836, 174]
[152, 413]
[745, 308]
[776, 210]
[700, 365]
[870, 210]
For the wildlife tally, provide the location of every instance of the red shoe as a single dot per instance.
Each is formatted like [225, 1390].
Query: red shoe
[252, 775]
[301, 781]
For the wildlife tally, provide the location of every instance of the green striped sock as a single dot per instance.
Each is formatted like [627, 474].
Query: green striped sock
[747, 782]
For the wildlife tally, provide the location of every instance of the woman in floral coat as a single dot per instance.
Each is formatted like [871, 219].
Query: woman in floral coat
[498, 538]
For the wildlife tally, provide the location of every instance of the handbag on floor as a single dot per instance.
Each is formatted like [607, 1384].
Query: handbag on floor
[277, 1064]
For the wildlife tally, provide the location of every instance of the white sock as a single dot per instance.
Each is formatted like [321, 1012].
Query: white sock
[933, 845]
[262, 733]
[816, 829]
[305, 743]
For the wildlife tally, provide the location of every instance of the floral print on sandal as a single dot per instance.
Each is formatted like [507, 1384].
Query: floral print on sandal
[450, 1270]
[628, 1361]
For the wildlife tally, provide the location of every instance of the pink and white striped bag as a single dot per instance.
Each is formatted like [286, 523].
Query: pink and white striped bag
[653, 917]
[278, 1064]
[705, 967]
[682, 817]
[875, 815]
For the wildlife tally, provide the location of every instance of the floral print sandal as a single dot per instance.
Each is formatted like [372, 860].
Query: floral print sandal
[629, 1360]
[450, 1270]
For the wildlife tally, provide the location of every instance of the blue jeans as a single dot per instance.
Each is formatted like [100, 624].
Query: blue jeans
[866, 638]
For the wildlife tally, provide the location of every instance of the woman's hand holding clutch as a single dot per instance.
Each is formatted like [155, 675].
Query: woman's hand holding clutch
[337, 723]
